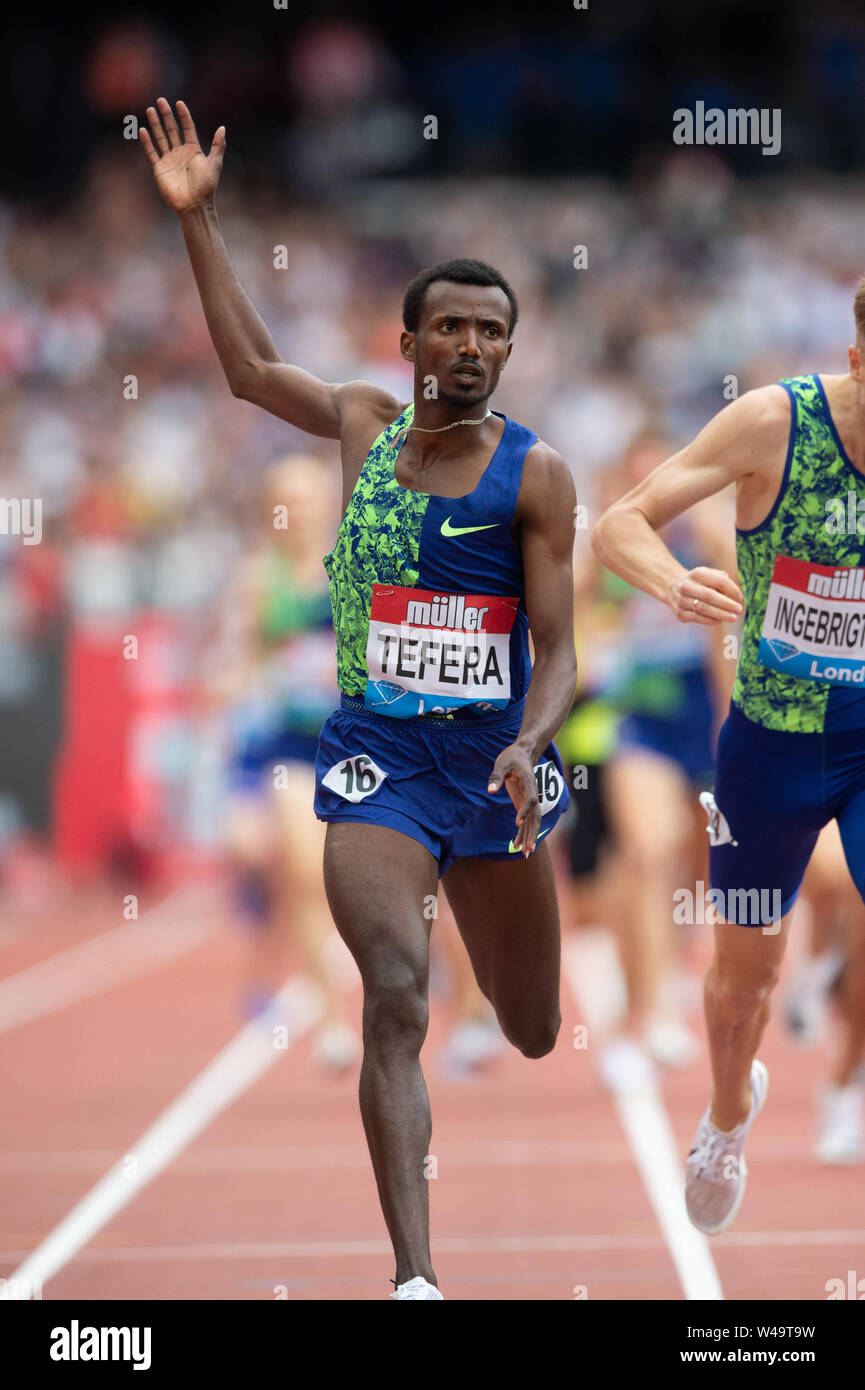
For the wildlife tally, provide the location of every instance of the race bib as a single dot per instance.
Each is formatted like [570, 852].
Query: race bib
[433, 653]
[814, 626]
[550, 785]
[354, 777]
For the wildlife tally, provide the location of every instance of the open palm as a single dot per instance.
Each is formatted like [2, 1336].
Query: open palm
[185, 175]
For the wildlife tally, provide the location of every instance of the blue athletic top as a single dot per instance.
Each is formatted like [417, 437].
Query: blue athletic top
[428, 592]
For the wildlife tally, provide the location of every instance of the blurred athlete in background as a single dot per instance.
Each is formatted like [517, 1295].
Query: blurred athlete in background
[829, 980]
[279, 672]
[669, 686]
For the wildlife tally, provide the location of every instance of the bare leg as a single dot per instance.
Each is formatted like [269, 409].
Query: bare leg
[378, 884]
[508, 917]
[852, 1001]
[302, 900]
[737, 990]
[249, 839]
[839, 919]
[654, 858]
[468, 1000]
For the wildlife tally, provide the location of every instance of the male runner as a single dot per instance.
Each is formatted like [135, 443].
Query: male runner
[791, 754]
[457, 534]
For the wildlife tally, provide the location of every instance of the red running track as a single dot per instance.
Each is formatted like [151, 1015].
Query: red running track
[537, 1193]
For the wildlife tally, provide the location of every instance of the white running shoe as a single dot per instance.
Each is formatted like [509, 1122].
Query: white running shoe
[625, 1066]
[806, 999]
[715, 1168]
[472, 1044]
[336, 1047]
[840, 1131]
[670, 1043]
[417, 1288]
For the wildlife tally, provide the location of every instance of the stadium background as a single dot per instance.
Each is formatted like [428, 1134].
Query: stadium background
[554, 130]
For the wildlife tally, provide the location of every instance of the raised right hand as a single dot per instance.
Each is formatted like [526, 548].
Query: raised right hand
[185, 175]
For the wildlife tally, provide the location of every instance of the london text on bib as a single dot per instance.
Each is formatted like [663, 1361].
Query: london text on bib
[815, 622]
[432, 653]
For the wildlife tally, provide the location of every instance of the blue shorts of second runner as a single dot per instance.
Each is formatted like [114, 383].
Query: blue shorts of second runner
[774, 793]
[429, 780]
[682, 737]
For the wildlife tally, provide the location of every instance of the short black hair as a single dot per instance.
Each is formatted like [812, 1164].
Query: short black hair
[461, 272]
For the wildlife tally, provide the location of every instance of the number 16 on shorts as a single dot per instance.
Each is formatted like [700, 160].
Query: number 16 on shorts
[354, 778]
[549, 784]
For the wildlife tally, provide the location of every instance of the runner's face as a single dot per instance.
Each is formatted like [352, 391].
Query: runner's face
[296, 502]
[461, 341]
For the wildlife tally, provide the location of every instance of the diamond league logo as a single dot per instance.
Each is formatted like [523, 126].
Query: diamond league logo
[783, 650]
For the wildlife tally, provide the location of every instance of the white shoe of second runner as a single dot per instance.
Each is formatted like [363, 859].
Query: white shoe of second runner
[715, 1168]
[416, 1289]
[841, 1133]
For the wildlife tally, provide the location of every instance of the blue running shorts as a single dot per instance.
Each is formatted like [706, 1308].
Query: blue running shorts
[429, 780]
[774, 792]
[683, 736]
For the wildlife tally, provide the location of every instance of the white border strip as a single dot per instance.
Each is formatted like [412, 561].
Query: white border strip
[643, 1117]
[232, 1070]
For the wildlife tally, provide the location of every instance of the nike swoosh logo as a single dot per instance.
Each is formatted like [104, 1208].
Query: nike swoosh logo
[519, 848]
[448, 530]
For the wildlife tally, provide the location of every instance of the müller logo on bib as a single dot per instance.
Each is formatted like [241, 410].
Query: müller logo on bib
[815, 622]
[432, 653]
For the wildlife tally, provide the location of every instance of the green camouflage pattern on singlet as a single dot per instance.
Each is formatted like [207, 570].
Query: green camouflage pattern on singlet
[818, 474]
[378, 541]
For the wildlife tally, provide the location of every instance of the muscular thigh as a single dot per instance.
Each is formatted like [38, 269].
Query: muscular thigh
[508, 917]
[381, 889]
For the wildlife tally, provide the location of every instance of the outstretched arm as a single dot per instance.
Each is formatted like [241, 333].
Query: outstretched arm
[187, 180]
[741, 443]
[546, 516]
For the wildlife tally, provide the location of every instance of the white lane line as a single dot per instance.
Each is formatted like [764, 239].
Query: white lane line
[109, 959]
[643, 1118]
[517, 1153]
[232, 1070]
[451, 1245]
[325, 1249]
[504, 1153]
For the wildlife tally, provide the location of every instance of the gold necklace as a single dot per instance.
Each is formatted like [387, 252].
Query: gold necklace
[423, 429]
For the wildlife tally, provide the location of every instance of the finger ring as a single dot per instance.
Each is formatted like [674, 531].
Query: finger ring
[696, 602]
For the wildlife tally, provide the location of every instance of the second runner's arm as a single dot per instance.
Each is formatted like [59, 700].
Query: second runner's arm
[734, 446]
